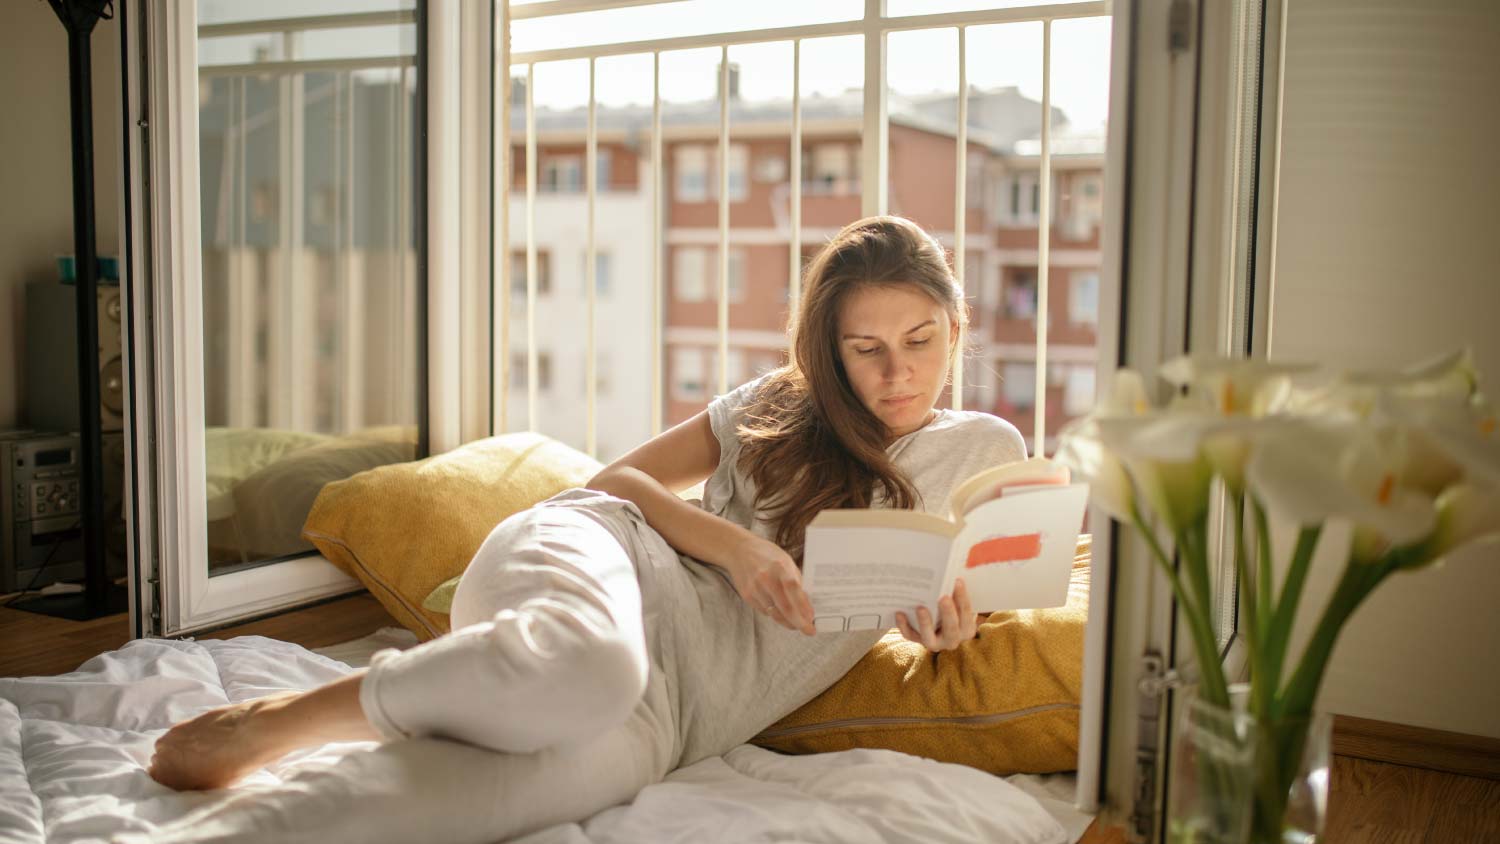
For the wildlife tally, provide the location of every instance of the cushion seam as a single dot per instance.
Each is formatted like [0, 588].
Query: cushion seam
[909, 722]
[353, 555]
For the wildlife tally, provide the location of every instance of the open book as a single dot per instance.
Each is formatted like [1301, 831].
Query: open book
[1011, 533]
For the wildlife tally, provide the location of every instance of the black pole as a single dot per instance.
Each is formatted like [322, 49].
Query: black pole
[79, 19]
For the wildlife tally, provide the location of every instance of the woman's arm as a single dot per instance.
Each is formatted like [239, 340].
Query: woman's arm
[651, 475]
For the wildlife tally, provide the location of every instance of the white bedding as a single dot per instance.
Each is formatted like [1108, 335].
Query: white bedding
[73, 749]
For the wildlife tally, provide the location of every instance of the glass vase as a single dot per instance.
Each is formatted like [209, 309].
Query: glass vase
[1237, 779]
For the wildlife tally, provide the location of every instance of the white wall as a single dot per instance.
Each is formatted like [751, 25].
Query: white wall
[1389, 252]
[36, 182]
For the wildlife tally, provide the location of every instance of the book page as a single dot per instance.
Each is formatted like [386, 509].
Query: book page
[859, 577]
[1016, 551]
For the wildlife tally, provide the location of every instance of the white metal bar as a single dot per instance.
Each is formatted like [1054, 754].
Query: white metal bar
[288, 68]
[657, 247]
[724, 219]
[354, 19]
[351, 286]
[591, 168]
[531, 365]
[444, 240]
[474, 124]
[870, 27]
[874, 149]
[794, 288]
[1043, 243]
[500, 241]
[397, 400]
[246, 306]
[960, 206]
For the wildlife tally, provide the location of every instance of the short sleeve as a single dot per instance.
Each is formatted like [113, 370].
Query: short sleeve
[726, 411]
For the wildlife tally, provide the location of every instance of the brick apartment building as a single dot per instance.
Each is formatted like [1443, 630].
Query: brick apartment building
[1001, 246]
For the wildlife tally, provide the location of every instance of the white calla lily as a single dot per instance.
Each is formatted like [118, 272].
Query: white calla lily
[1466, 514]
[1080, 449]
[1234, 386]
[1312, 472]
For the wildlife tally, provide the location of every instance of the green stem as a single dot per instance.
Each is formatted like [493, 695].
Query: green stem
[1285, 613]
[1215, 689]
[1301, 690]
[1262, 683]
[1263, 554]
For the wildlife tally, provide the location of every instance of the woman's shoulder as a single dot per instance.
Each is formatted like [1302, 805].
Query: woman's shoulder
[976, 428]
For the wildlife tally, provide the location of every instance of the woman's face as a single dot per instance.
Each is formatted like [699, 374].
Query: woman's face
[894, 343]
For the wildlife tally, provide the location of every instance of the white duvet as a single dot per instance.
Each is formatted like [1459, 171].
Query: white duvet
[73, 750]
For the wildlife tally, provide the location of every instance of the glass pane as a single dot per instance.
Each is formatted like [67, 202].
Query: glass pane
[309, 271]
[685, 18]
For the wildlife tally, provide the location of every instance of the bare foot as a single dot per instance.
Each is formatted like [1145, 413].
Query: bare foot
[220, 746]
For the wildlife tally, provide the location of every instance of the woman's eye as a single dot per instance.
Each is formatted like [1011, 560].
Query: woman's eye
[920, 342]
[866, 351]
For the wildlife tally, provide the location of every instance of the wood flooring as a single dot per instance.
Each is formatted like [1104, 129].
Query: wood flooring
[1371, 802]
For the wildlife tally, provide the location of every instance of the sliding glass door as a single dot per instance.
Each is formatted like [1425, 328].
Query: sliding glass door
[280, 304]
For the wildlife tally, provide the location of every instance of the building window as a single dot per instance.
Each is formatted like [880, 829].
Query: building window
[689, 374]
[690, 166]
[1022, 203]
[519, 372]
[518, 272]
[1083, 298]
[690, 274]
[1019, 385]
[602, 165]
[562, 174]
[738, 374]
[737, 263]
[830, 169]
[602, 284]
[695, 274]
[770, 168]
[1078, 391]
[1020, 294]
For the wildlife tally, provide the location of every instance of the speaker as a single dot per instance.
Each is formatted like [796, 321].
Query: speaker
[52, 358]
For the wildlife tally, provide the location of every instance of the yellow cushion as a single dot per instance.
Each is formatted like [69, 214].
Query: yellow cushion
[1005, 702]
[405, 528]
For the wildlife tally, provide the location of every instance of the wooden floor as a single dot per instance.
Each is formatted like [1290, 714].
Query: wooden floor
[1371, 802]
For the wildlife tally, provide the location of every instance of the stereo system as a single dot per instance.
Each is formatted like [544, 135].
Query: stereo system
[41, 533]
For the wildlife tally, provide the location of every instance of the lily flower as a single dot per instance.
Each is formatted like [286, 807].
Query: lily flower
[1466, 514]
[1235, 386]
[1312, 472]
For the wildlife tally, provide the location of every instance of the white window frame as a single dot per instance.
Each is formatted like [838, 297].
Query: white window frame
[161, 105]
[690, 160]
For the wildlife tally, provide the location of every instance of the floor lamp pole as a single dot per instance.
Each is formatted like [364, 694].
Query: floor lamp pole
[79, 19]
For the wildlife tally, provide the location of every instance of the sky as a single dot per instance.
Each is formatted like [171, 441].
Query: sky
[918, 61]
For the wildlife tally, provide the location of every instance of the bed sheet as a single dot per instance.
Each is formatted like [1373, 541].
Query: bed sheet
[73, 749]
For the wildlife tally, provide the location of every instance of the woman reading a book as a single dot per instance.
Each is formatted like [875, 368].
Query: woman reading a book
[625, 631]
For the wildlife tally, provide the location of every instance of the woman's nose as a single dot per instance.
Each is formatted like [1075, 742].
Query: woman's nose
[896, 365]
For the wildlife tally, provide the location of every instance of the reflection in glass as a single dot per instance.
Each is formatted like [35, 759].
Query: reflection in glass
[309, 273]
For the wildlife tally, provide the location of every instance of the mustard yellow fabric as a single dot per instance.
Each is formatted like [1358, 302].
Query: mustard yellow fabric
[1005, 702]
[405, 528]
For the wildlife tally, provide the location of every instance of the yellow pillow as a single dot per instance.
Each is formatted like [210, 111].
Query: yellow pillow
[403, 529]
[1004, 702]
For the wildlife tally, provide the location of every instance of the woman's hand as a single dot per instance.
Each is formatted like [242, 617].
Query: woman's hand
[768, 579]
[218, 747]
[956, 624]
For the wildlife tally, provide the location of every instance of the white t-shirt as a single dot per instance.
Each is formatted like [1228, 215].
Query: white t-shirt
[742, 671]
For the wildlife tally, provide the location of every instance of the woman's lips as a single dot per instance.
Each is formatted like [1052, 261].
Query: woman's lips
[899, 401]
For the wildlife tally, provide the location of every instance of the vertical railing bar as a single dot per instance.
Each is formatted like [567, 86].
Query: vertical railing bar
[531, 364]
[794, 289]
[724, 219]
[656, 246]
[1044, 236]
[960, 207]
[591, 169]
[500, 263]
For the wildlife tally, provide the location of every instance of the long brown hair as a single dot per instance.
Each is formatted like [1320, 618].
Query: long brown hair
[809, 443]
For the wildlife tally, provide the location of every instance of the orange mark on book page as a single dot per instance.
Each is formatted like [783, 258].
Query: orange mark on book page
[1005, 549]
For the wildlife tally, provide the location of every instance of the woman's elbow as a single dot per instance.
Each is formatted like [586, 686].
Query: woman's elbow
[607, 479]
